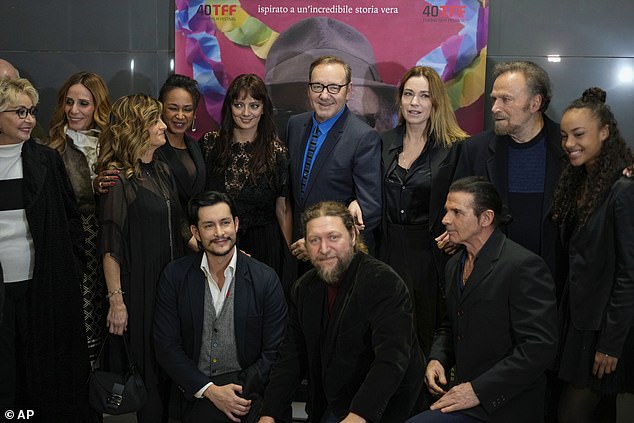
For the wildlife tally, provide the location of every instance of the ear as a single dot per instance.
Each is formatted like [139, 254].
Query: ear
[604, 133]
[535, 103]
[486, 218]
[194, 231]
[235, 220]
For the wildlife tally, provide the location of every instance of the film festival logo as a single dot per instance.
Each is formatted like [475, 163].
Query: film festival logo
[444, 13]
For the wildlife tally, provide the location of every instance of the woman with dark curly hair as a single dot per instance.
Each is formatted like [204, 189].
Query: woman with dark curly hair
[593, 206]
[247, 161]
[140, 234]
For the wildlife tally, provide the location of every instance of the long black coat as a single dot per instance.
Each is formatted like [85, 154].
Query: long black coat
[57, 355]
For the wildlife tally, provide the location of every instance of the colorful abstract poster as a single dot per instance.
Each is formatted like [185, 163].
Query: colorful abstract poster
[216, 40]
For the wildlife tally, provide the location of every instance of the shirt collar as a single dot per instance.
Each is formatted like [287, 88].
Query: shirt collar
[230, 271]
[326, 125]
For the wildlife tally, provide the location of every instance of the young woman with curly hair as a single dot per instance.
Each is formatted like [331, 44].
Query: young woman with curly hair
[593, 206]
[140, 234]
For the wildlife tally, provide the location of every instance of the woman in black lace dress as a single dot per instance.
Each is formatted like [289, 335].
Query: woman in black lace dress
[140, 234]
[247, 161]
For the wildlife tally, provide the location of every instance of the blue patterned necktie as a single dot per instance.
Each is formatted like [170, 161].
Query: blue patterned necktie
[309, 158]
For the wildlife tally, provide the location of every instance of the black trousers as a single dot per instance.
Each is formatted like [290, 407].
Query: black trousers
[13, 337]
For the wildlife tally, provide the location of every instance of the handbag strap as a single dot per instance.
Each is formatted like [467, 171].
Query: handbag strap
[131, 364]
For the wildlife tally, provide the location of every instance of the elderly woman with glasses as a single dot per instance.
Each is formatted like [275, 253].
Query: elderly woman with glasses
[43, 354]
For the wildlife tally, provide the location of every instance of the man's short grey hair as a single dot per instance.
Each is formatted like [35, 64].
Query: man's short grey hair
[536, 77]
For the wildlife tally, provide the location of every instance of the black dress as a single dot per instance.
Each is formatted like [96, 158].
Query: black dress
[259, 233]
[141, 229]
[187, 167]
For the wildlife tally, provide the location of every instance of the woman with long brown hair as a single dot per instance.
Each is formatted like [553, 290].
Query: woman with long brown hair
[80, 114]
[419, 159]
[247, 161]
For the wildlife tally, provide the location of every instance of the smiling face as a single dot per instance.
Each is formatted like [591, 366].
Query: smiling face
[582, 136]
[178, 110]
[246, 112]
[325, 104]
[216, 229]
[513, 106]
[13, 129]
[330, 247]
[416, 101]
[79, 108]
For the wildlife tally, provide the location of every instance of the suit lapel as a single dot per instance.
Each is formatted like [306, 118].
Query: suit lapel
[485, 259]
[323, 157]
[197, 286]
[438, 155]
[297, 158]
[35, 173]
[392, 143]
[497, 166]
[241, 286]
[199, 162]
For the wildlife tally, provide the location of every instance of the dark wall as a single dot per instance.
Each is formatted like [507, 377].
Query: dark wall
[49, 40]
[593, 38]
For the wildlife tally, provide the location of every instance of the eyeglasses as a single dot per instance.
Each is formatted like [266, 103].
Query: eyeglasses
[316, 87]
[23, 112]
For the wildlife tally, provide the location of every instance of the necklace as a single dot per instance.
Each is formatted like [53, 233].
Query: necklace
[157, 184]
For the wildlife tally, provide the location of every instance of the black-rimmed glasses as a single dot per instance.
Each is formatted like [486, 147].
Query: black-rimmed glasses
[23, 112]
[316, 87]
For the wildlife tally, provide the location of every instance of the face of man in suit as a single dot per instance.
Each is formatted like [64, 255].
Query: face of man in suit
[513, 105]
[463, 225]
[327, 104]
[216, 230]
[330, 247]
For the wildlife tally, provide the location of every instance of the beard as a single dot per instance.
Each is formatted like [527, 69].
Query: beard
[332, 275]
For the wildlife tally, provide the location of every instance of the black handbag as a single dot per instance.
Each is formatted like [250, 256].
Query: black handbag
[116, 392]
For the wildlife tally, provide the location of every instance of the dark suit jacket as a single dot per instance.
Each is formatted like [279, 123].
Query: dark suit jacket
[601, 278]
[347, 167]
[501, 331]
[362, 358]
[259, 316]
[443, 166]
[486, 154]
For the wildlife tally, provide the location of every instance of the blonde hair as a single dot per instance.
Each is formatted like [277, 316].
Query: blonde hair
[97, 87]
[126, 138]
[442, 124]
[11, 89]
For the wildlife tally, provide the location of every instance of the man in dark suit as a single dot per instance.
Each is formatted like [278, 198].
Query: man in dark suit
[500, 329]
[334, 155]
[522, 156]
[350, 329]
[220, 316]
